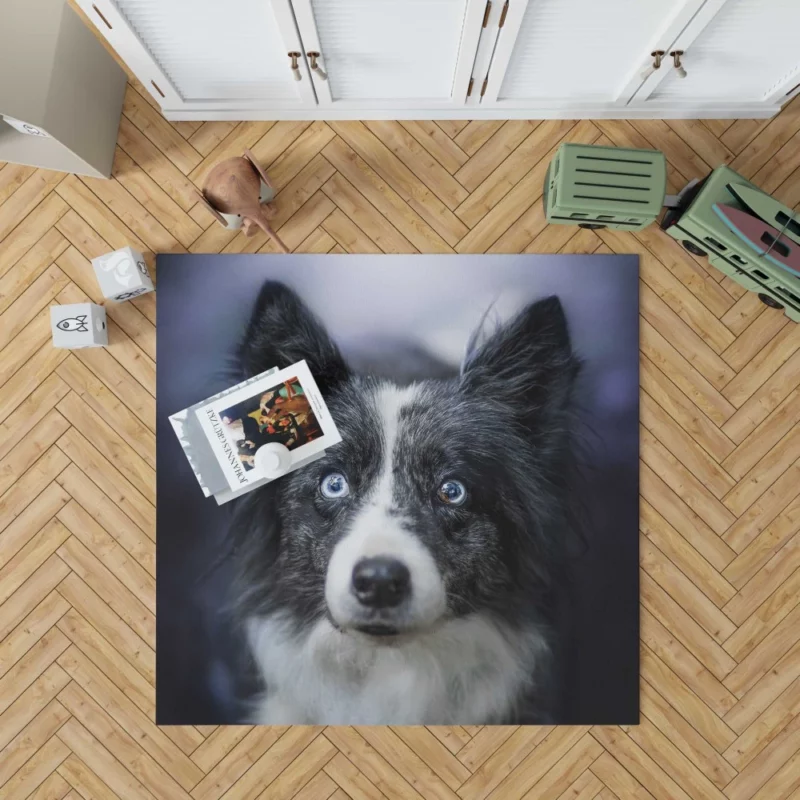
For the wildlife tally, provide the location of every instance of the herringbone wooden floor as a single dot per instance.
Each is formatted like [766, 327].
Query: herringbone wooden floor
[720, 467]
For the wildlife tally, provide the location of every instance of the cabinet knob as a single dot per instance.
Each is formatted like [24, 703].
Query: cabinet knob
[657, 55]
[313, 56]
[676, 60]
[295, 66]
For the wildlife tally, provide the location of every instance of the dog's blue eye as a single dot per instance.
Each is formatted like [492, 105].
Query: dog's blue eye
[453, 493]
[334, 486]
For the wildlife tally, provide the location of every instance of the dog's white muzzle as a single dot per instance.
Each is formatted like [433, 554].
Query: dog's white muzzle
[382, 579]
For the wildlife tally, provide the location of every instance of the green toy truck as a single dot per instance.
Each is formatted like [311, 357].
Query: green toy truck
[608, 187]
[702, 232]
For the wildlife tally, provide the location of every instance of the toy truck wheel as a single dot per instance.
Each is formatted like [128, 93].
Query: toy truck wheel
[693, 248]
[769, 301]
[592, 226]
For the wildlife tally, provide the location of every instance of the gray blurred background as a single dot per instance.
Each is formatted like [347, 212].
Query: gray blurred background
[402, 317]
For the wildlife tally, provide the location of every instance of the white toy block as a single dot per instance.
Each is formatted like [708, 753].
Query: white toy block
[78, 325]
[122, 274]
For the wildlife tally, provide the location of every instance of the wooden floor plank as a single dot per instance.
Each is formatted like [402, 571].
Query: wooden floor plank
[160, 132]
[106, 606]
[209, 135]
[30, 266]
[643, 768]
[149, 194]
[523, 194]
[475, 134]
[120, 744]
[384, 198]
[113, 441]
[419, 161]
[499, 181]
[375, 226]
[303, 222]
[30, 230]
[92, 767]
[769, 724]
[37, 769]
[680, 588]
[348, 235]
[150, 738]
[161, 170]
[402, 180]
[276, 143]
[703, 763]
[302, 150]
[437, 143]
[684, 158]
[31, 556]
[452, 127]
[691, 419]
[771, 137]
[681, 553]
[694, 710]
[720, 469]
[768, 616]
[692, 635]
[34, 736]
[700, 139]
[227, 772]
[770, 577]
[493, 152]
[31, 629]
[109, 516]
[32, 192]
[12, 176]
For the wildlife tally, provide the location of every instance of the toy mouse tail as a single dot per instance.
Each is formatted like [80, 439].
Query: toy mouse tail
[267, 228]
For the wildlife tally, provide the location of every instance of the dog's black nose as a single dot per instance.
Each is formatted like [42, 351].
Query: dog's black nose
[381, 582]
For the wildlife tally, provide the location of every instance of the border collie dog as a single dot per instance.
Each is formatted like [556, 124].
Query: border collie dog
[409, 575]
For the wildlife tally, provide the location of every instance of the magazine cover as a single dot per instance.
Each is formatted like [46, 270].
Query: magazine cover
[284, 408]
[198, 449]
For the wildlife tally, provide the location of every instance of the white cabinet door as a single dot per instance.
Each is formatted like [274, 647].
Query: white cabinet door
[390, 53]
[746, 51]
[554, 53]
[207, 54]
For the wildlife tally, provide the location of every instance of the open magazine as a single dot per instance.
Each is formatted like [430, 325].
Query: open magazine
[278, 409]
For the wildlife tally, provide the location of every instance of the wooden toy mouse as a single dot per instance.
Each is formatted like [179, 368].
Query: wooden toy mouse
[238, 192]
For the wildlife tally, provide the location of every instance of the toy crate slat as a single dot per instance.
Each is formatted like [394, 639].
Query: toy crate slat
[595, 186]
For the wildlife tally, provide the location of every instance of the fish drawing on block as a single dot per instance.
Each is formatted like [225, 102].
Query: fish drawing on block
[77, 324]
[763, 238]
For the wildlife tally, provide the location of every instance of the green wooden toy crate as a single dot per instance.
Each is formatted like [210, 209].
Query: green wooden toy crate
[605, 187]
[698, 228]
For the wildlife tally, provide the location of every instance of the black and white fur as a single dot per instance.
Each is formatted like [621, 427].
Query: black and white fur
[472, 642]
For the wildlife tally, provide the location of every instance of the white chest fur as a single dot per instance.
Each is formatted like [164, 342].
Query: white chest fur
[467, 671]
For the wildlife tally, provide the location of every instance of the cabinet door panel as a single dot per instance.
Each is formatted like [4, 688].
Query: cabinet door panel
[206, 54]
[574, 51]
[379, 53]
[749, 51]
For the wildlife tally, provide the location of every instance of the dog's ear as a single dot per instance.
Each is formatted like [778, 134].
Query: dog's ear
[282, 331]
[527, 364]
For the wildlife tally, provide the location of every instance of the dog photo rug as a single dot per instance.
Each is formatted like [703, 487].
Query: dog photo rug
[467, 554]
